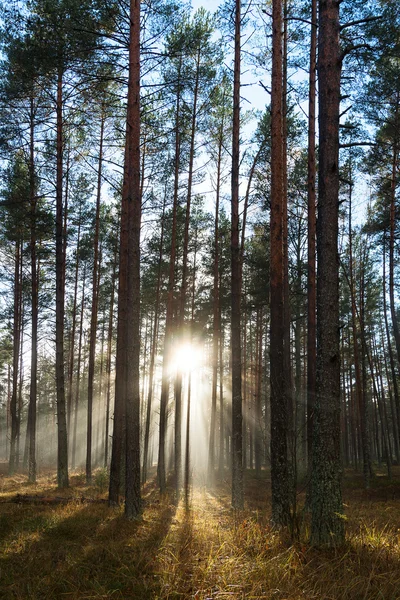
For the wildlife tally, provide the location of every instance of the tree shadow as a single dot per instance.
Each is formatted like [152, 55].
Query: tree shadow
[83, 551]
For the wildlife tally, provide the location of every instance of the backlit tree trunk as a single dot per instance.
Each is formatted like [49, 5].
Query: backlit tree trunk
[216, 320]
[153, 351]
[161, 467]
[95, 300]
[62, 446]
[237, 467]
[34, 309]
[12, 465]
[183, 290]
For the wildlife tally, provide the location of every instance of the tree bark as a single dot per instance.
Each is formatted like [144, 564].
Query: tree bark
[361, 401]
[118, 437]
[216, 320]
[389, 342]
[237, 466]
[153, 350]
[94, 310]
[312, 223]
[73, 331]
[327, 526]
[108, 359]
[186, 481]
[257, 395]
[132, 172]
[279, 401]
[34, 307]
[62, 442]
[392, 234]
[183, 290]
[161, 467]
[78, 374]
[12, 465]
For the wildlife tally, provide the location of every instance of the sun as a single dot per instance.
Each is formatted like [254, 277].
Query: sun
[186, 358]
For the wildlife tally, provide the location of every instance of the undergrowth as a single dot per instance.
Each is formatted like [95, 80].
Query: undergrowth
[83, 550]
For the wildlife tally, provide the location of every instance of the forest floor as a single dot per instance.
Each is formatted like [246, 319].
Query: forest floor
[83, 549]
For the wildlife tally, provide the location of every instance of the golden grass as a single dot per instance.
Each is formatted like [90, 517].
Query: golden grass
[87, 551]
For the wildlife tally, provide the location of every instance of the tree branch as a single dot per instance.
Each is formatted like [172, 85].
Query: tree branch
[359, 22]
[353, 144]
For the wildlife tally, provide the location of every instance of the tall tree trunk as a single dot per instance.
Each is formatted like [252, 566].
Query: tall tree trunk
[62, 442]
[327, 527]
[34, 306]
[101, 405]
[161, 467]
[345, 417]
[183, 290]
[153, 349]
[237, 466]
[78, 374]
[221, 462]
[299, 409]
[108, 360]
[20, 376]
[312, 223]
[12, 465]
[288, 376]
[359, 389]
[118, 437]
[391, 400]
[365, 389]
[186, 482]
[132, 172]
[257, 395]
[392, 232]
[380, 398]
[389, 341]
[216, 319]
[73, 331]
[279, 403]
[8, 409]
[94, 310]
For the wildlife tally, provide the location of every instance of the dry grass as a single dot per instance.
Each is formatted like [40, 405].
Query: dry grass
[87, 551]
